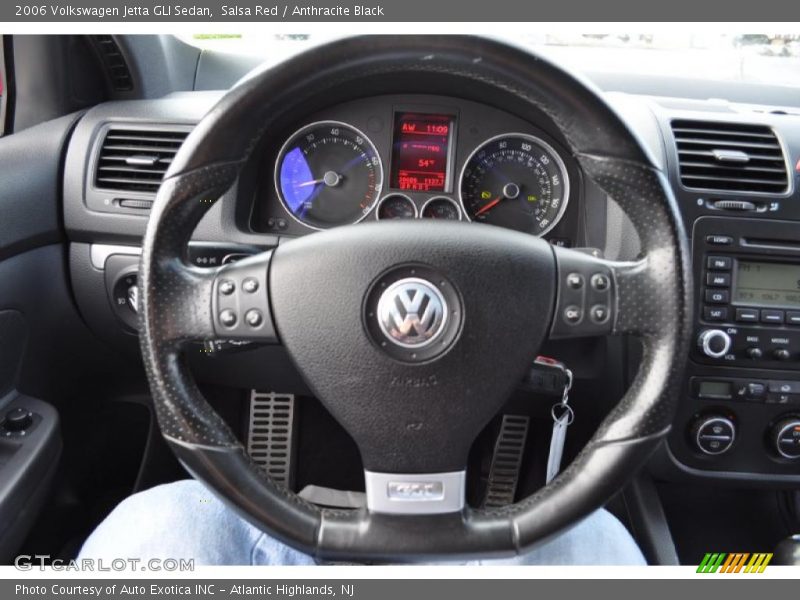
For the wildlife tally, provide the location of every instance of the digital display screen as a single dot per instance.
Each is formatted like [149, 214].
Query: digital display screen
[421, 152]
[767, 284]
[714, 389]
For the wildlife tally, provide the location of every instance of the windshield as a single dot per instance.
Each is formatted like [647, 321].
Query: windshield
[772, 58]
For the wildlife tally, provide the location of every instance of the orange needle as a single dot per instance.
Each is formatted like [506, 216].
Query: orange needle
[488, 206]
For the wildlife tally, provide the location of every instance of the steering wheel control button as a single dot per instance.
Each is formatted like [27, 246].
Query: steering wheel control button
[786, 438]
[250, 285]
[575, 281]
[413, 313]
[599, 314]
[585, 309]
[714, 343]
[228, 318]
[240, 303]
[573, 314]
[600, 282]
[714, 435]
[254, 318]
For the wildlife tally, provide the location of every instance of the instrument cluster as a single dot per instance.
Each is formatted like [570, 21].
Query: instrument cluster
[416, 157]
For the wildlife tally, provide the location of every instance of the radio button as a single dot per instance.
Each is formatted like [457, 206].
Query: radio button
[793, 318]
[781, 354]
[715, 313]
[774, 317]
[718, 279]
[754, 353]
[721, 297]
[719, 240]
[714, 343]
[719, 263]
[747, 315]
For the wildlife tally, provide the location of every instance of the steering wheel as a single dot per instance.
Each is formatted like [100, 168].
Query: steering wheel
[414, 334]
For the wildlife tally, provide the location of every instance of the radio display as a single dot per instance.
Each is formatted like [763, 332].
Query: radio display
[421, 152]
[767, 284]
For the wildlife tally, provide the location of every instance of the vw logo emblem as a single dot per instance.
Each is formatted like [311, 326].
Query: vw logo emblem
[412, 312]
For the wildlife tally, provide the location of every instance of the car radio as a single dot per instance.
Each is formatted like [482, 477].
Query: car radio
[747, 288]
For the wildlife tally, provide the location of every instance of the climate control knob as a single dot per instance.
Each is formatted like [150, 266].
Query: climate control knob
[786, 438]
[714, 343]
[713, 434]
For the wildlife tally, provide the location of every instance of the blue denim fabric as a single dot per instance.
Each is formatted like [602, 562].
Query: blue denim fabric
[184, 520]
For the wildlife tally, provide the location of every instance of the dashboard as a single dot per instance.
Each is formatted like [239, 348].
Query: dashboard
[415, 156]
[734, 170]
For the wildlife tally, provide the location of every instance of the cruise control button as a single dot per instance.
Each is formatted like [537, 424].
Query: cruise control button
[715, 313]
[226, 288]
[227, 317]
[747, 315]
[718, 279]
[717, 296]
[573, 314]
[719, 263]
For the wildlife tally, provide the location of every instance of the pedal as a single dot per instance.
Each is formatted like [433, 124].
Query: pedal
[271, 435]
[506, 461]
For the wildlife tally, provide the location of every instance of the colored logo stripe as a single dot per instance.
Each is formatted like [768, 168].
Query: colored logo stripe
[734, 562]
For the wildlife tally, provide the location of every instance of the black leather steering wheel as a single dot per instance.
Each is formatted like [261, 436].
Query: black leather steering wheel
[414, 410]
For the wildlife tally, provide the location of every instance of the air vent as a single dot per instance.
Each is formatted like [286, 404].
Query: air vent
[730, 157]
[119, 76]
[135, 160]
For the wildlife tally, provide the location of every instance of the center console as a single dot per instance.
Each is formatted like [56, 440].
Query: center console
[739, 412]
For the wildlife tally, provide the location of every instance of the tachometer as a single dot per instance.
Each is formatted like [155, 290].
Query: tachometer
[516, 181]
[328, 174]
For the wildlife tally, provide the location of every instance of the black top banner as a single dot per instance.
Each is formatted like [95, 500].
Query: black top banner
[397, 11]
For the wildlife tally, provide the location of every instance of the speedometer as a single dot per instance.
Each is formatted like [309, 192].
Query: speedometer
[516, 181]
[328, 174]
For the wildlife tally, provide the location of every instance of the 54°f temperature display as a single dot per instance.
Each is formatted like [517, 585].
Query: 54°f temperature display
[421, 152]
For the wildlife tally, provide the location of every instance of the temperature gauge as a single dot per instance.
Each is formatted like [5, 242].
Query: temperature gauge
[441, 208]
